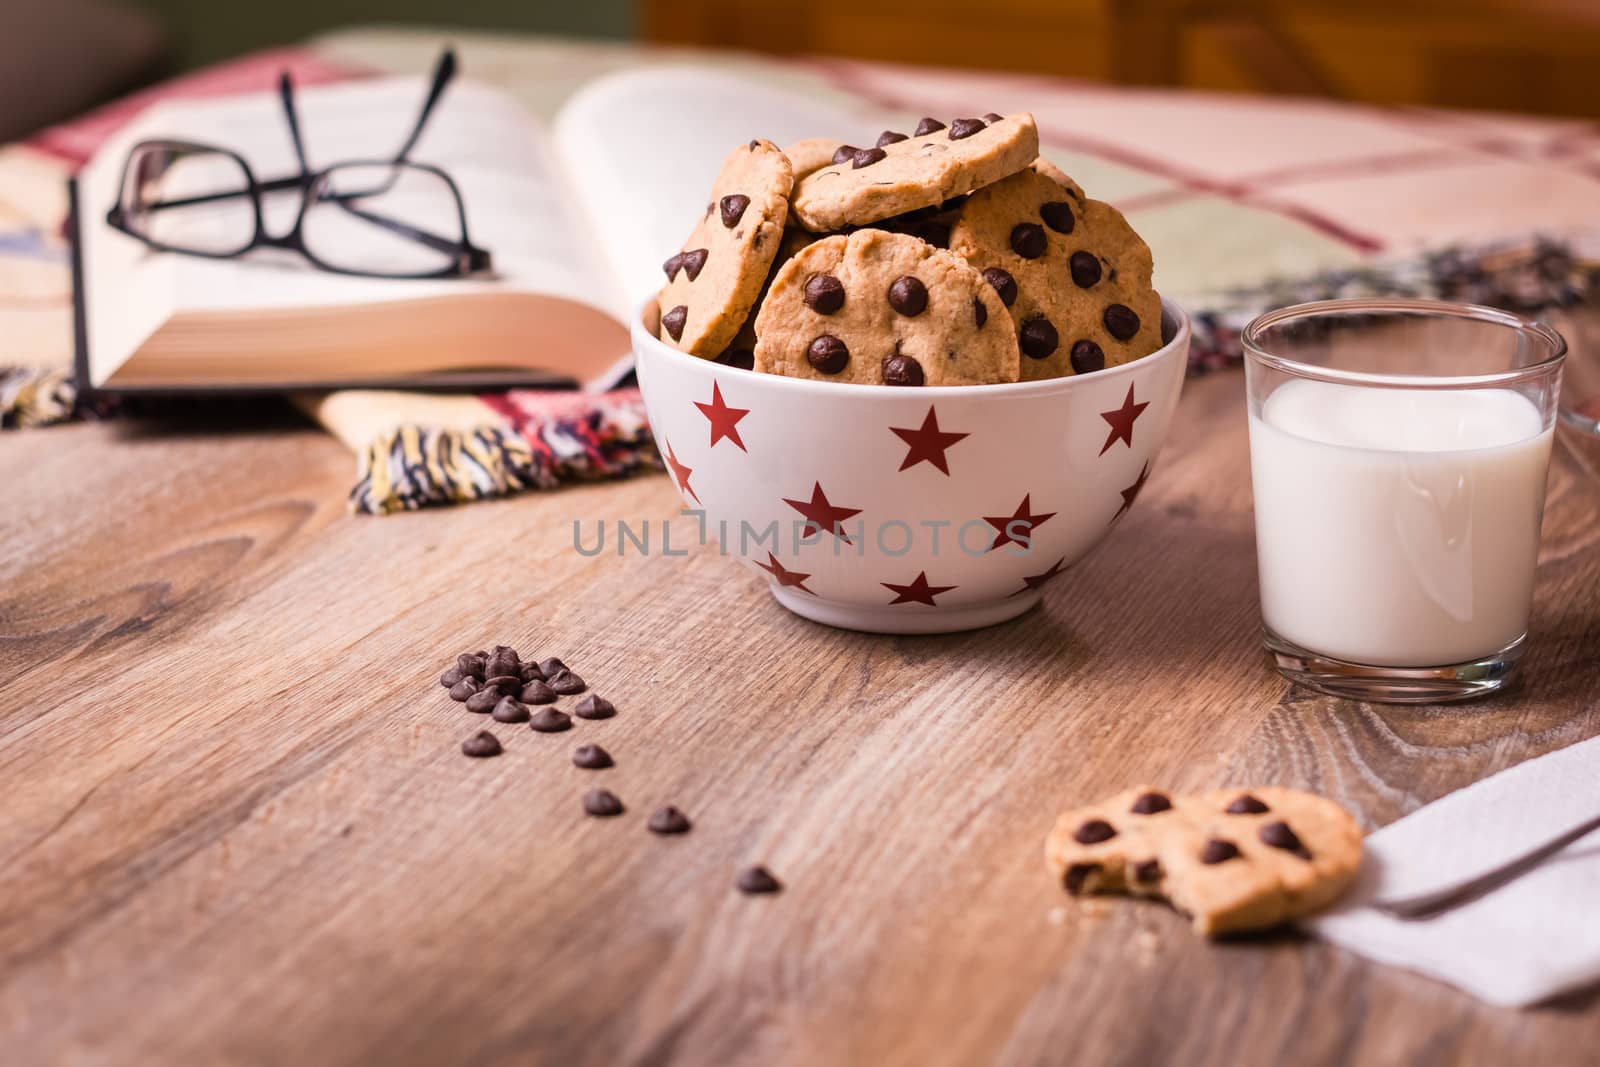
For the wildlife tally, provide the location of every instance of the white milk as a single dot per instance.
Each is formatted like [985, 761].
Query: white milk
[1397, 527]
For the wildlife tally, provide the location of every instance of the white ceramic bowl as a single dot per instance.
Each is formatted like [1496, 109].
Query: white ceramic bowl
[1055, 462]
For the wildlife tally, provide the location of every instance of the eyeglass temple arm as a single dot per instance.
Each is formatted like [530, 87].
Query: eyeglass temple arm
[443, 72]
[286, 94]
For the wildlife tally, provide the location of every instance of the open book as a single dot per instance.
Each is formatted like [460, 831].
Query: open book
[577, 218]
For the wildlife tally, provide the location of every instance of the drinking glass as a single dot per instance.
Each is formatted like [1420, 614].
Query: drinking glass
[1398, 453]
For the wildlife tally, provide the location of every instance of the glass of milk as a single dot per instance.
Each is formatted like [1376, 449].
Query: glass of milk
[1398, 450]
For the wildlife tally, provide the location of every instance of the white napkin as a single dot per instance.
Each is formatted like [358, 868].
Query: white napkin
[1524, 942]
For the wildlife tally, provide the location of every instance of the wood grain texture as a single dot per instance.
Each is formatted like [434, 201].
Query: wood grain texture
[237, 827]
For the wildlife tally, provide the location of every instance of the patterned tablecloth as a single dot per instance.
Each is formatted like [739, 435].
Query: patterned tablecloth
[1246, 202]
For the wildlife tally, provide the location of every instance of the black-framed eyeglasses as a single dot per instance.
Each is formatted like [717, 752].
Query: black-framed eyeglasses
[391, 218]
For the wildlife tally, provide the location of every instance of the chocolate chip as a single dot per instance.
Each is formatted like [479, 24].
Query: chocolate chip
[470, 664]
[1121, 322]
[503, 664]
[483, 701]
[927, 126]
[694, 262]
[481, 745]
[1093, 832]
[551, 721]
[530, 672]
[752, 145]
[673, 321]
[1077, 874]
[753, 880]
[1028, 240]
[1218, 851]
[732, 207]
[674, 262]
[828, 354]
[824, 294]
[463, 689]
[451, 676]
[1003, 283]
[550, 666]
[566, 683]
[1151, 804]
[743, 358]
[1245, 804]
[980, 314]
[866, 157]
[602, 803]
[991, 117]
[595, 706]
[1278, 835]
[844, 153]
[1085, 267]
[961, 129]
[908, 296]
[591, 758]
[1057, 215]
[1038, 338]
[510, 709]
[902, 370]
[888, 137]
[1148, 871]
[505, 683]
[537, 692]
[668, 820]
[1087, 356]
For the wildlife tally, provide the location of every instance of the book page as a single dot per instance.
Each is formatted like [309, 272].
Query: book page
[515, 203]
[642, 148]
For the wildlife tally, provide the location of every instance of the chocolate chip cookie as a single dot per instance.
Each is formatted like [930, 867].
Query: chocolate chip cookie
[713, 283]
[884, 309]
[1074, 275]
[922, 170]
[1232, 859]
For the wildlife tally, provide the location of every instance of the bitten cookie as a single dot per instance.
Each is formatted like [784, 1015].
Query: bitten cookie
[713, 283]
[924, 170]
[1232, 859]
[884, 309]
[1074, 275]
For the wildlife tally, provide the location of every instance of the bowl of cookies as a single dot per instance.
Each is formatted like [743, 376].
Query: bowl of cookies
[911, 384]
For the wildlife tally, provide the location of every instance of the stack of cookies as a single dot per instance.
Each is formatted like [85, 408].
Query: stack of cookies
[950, 256]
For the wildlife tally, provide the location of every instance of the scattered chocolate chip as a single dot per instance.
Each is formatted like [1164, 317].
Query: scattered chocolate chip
[754, 880]
[566, 683]
[1094, 831]
[668, 820]
[463, 689]
[752, 145]
[1151, 804]
[908, 296]
[1057, 215]
[888, 137]
[1038, 338]
[547, 667]
[674, 263]
[1087, 356]
[551, 721]
[824, 294]
[694, 262]
[591, 758]
[530, 672]
[1085, 267]
[471, 664]
[1218, 851]
[673, 321]
[1278, 835]
[961, 129]
[595, 706]
[1028, 240]
[1148, 871]
[1001, 281]
[480, 745]
[927, 126]
[828, 354]
[991, 117]
[1245, 804]
[866, 157]
[602, 803]
[1077, 874]
[537, 692]
[743, 358]
[902, 370]
[505, 683]
[844, 153]
[506, 651]
[510, 709]
[483, 701]
[980, 314]
[451, 676]
[1121, 322]
[732, 207]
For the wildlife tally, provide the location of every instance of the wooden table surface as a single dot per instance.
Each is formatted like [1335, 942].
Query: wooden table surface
[237, 826]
